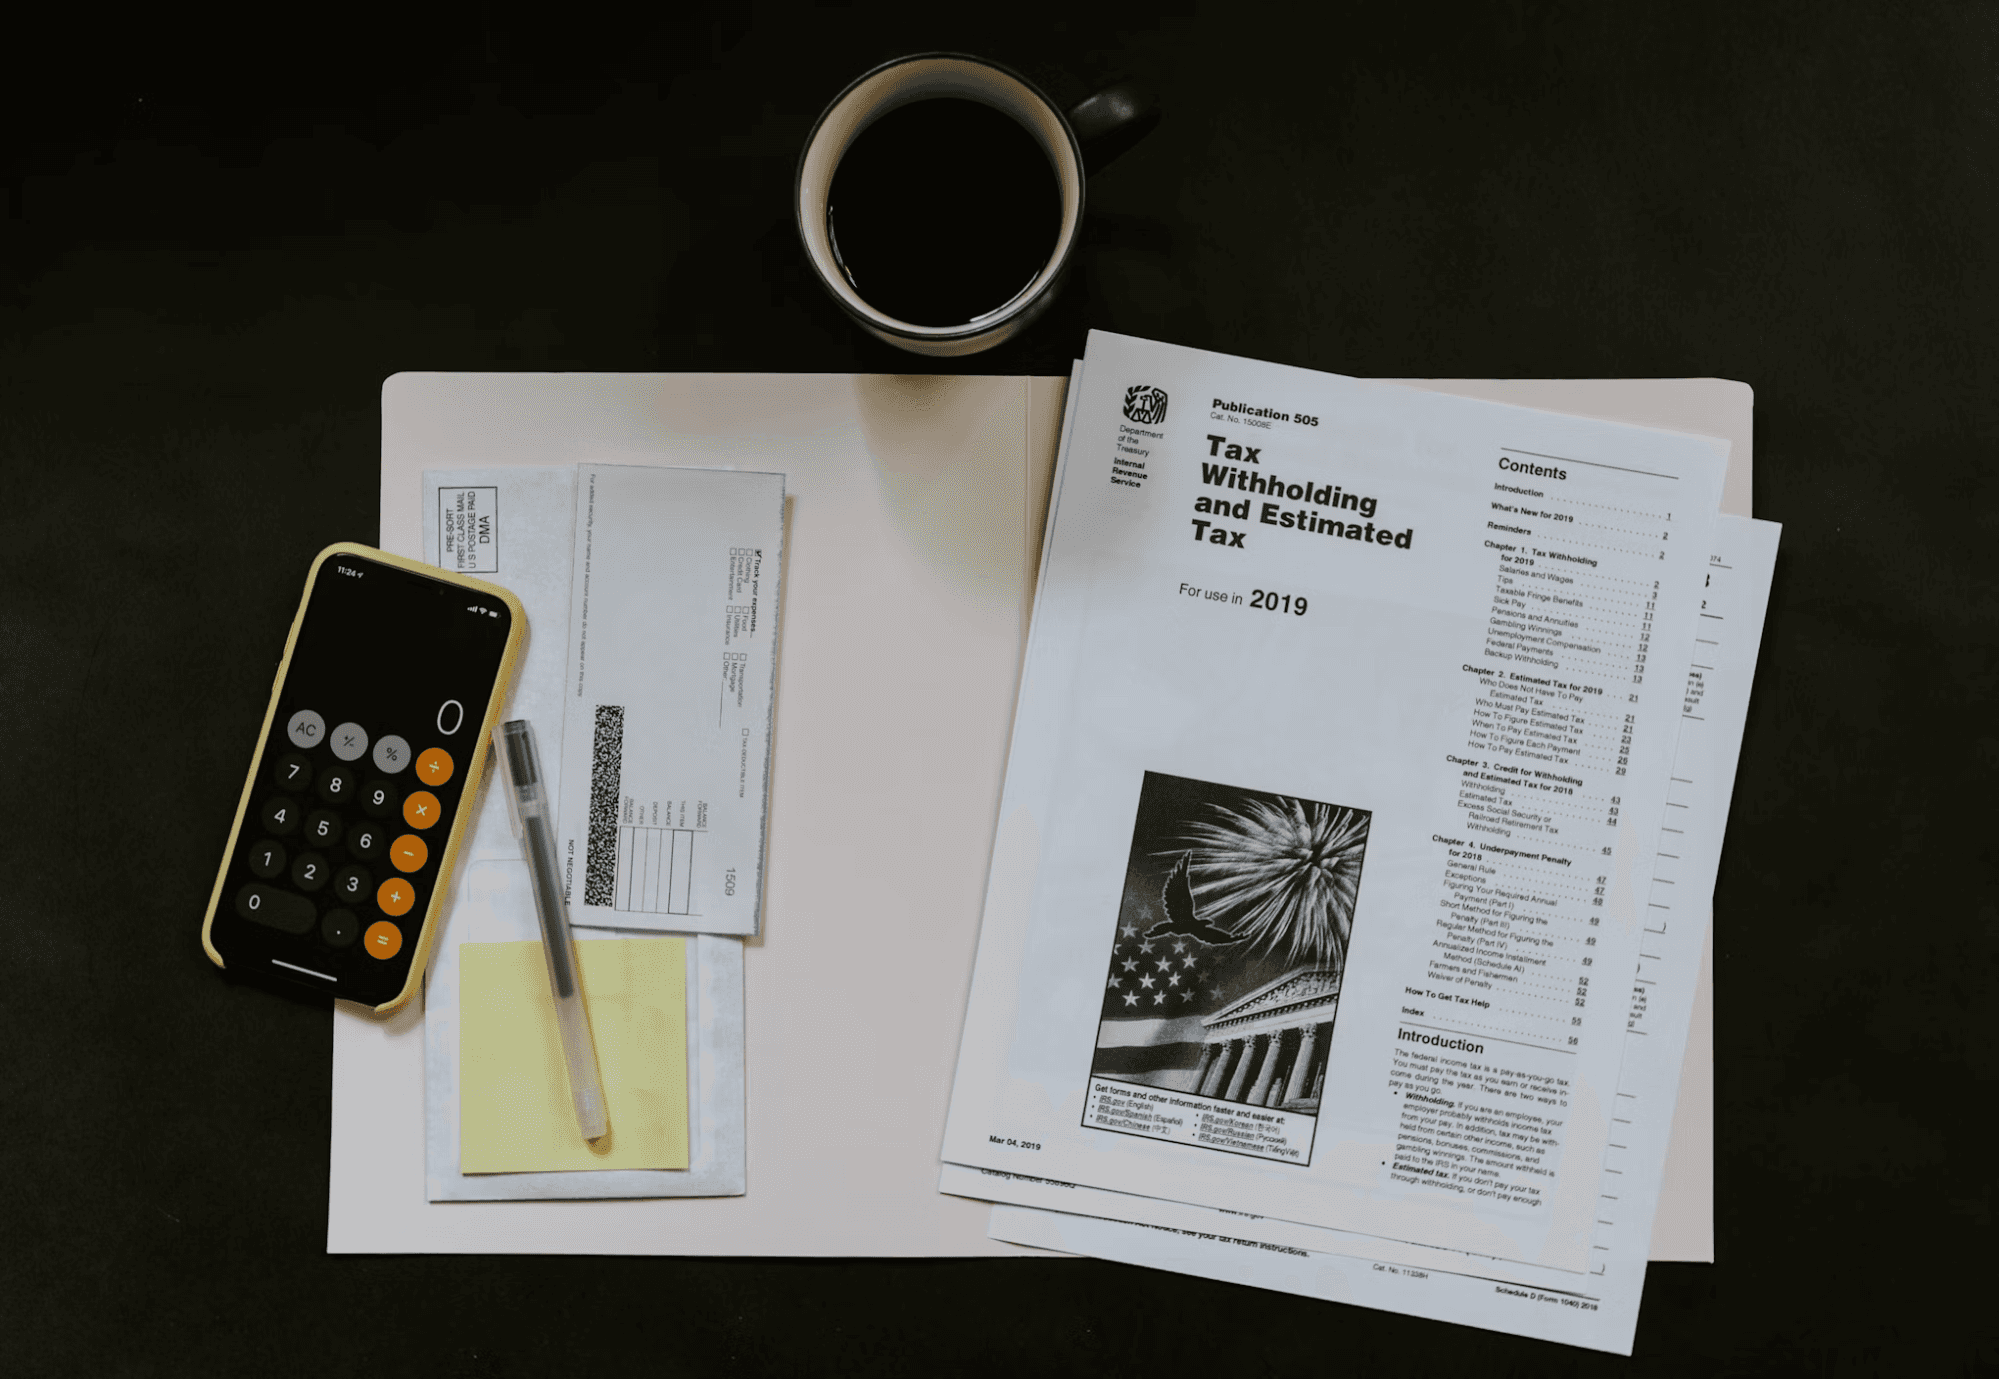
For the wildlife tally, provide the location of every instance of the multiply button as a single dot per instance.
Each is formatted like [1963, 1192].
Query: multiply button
[434, 766]
[306, 729]
[383, 940]
[420, 810]
[409, 853]
[395, 896]
[349, 742]
[392, 754]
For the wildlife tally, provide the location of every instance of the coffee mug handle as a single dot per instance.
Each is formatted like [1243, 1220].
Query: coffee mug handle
[1111, 121]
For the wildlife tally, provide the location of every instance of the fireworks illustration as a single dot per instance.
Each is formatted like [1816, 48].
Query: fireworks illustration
[1277, 874]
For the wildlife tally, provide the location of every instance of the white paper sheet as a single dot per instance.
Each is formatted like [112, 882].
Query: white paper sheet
[1601, 1311]
[1532, 553]
[1725, 408]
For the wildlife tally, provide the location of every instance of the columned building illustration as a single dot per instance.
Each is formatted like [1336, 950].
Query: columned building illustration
[1268, 1049]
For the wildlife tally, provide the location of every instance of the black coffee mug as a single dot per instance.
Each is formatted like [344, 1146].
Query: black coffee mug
[1102, 126]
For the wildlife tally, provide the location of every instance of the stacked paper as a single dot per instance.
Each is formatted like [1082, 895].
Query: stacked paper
[1358, 841]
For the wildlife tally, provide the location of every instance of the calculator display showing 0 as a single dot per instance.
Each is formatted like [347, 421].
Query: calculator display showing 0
[358, 792]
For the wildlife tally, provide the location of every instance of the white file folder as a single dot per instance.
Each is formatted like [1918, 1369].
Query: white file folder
[916, 507]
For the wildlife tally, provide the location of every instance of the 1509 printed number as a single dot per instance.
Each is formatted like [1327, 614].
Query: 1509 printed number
[1277, 603]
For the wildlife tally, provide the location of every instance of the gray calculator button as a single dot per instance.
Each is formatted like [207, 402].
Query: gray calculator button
[339, 928]
[306, 729]
[322, 828]
[353, 884]
[392, 754]
[337, 785]
[310, 872]
[267, 859]
[281, 910]
[349, 742]
[280, 815]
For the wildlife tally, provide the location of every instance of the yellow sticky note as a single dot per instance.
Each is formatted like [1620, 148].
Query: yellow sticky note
[514, 1111]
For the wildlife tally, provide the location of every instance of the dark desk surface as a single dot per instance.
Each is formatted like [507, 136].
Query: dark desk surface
[217, 244]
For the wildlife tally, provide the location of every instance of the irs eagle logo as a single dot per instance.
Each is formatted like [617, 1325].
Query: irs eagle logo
[1145, 404]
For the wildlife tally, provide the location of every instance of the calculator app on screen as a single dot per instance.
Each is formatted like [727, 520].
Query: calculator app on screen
[367, 768]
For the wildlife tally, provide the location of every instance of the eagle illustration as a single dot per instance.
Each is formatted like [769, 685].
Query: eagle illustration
[1181, 915]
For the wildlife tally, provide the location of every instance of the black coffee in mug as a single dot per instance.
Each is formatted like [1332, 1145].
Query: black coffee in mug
[943, 211]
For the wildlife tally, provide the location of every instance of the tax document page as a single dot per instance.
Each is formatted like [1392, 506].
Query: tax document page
[1599, 1310]
[1341, 752]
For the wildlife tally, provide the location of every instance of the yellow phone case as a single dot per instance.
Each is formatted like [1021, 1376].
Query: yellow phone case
[460, 825]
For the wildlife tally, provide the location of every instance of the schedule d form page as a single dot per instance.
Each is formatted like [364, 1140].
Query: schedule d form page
[1338, 767]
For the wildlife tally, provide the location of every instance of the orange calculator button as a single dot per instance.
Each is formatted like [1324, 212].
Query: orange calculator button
[421, 810]
[395, 897]
[382, 940]
[409, 853]
[434, 766]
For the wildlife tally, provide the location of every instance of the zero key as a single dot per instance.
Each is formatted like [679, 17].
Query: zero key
[281, 910]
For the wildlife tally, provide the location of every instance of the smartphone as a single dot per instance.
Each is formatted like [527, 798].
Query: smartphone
[365, 778]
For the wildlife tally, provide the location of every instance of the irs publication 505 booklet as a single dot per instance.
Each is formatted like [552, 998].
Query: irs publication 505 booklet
[1341, 750]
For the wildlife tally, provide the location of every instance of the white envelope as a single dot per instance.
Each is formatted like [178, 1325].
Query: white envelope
[515, 525]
